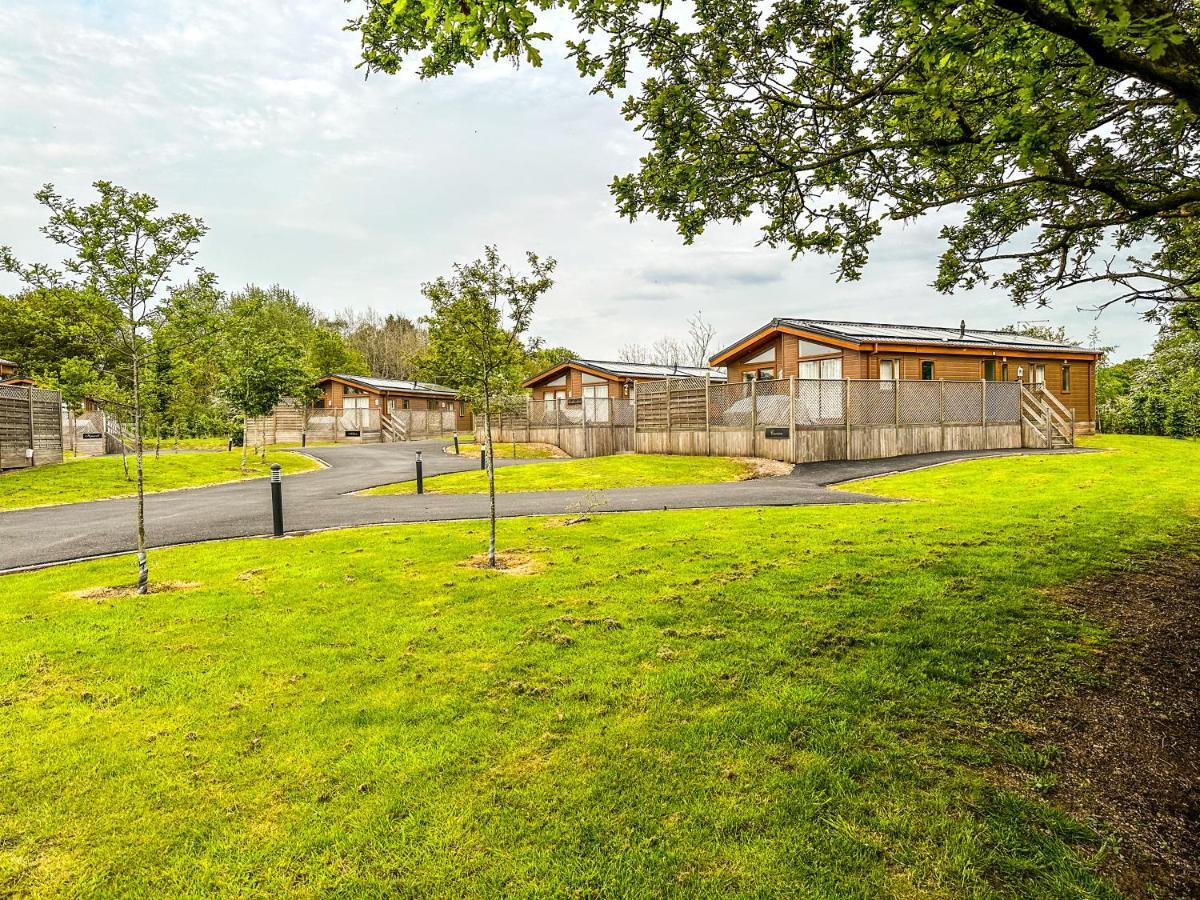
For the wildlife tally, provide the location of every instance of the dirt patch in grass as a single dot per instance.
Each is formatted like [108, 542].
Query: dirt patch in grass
[763, 468]
[511, 562]
[116, 593]
[1130, 745]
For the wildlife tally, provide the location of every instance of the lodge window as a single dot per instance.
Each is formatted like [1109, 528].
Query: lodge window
[1066, 378]
[758, 375]
[429, 404]
[406, 404]
[1004, 371]
[989, 370]
[889, 370]
[823, 369]
[927, 370]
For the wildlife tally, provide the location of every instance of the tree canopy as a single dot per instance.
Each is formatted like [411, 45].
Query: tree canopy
[1063, 133]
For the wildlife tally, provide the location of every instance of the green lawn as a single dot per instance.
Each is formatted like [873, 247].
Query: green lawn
[103, 477]
[584, 474]
[759, 702]
[504, 450]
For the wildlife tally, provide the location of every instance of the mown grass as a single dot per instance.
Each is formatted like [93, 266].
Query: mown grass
[584, 474]
[103, 477]
[504, 450]
[756, 702]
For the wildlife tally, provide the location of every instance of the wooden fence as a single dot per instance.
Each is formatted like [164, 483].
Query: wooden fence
[30, 427]
[793, 420]
[288, 421]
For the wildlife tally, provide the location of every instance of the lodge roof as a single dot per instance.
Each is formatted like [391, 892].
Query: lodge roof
[623, 369]
[861, 333]
[385, 385]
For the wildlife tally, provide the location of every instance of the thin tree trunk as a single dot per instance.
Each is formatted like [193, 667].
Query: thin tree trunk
[143, 581]
[245, 438]
[263, 435]
[491, 475]
[124, 457]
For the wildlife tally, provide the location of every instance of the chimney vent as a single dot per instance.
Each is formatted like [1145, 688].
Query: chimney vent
[962, 329]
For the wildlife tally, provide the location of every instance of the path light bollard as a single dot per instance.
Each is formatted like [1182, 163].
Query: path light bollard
[277, 499]
[304, 439]
[230, 444]
[482, 458]
[456, 443]
[420, 474]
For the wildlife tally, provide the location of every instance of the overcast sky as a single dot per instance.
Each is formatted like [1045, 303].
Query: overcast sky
[351, 192]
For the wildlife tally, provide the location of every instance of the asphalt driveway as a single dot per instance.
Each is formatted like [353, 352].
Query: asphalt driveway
[326, 499]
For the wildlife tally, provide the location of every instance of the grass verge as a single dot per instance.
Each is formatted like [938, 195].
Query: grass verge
[103, 477]
[585, 474]
[751, 702]
[504, 450]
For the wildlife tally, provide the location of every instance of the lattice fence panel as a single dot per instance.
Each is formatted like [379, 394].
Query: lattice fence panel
[730, 405]
[1003, 402]
[774, 403]
[964, 402]
[820, 402]
[920, 402]
[872, 402]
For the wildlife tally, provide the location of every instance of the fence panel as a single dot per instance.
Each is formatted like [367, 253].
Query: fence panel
[30, 419]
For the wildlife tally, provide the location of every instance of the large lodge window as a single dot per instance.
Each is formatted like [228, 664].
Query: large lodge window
[989, 370]
[758, 374]
[823, 369]
[889, 370]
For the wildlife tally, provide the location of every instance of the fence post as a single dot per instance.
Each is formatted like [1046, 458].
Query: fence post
[942, 410]
[32, 460]
[707, 413]
[1049, 426]
[792, 414]
[583, 405]
[670, 447]
[846, 413]
[754, 417]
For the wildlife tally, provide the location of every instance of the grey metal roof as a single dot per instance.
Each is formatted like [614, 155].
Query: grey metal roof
[624, 369]
[391, 384]
[930, 335]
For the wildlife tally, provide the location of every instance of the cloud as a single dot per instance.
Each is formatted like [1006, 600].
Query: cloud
[353, 191]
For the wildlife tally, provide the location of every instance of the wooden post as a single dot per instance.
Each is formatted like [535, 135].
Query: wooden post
[983, 412]
[587, 451]
[670, 448]
[792, 415]
[942, 409]
[33, 457]
[754, 417]
[707, 413]
[1049, 426]
[846, 414]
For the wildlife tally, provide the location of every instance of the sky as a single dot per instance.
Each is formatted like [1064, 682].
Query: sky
[351, 192]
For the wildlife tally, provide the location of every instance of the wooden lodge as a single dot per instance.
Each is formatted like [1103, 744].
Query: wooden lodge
[593, 379]
[815, 349]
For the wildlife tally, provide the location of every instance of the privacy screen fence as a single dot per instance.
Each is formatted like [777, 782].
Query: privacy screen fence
[685, 404]
[803, 403]
[30, 420]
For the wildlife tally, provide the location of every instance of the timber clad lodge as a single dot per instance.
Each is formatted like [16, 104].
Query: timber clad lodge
[825, 350]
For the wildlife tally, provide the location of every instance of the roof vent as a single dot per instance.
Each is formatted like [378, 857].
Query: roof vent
[962, 329]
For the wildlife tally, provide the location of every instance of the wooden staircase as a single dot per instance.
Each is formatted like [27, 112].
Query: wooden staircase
[1045, 422]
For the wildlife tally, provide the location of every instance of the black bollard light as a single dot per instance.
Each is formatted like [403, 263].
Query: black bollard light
[230, 445]
[456, 443]
[420, 474]
[304, 439]
[482, 458]
[277, 499]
